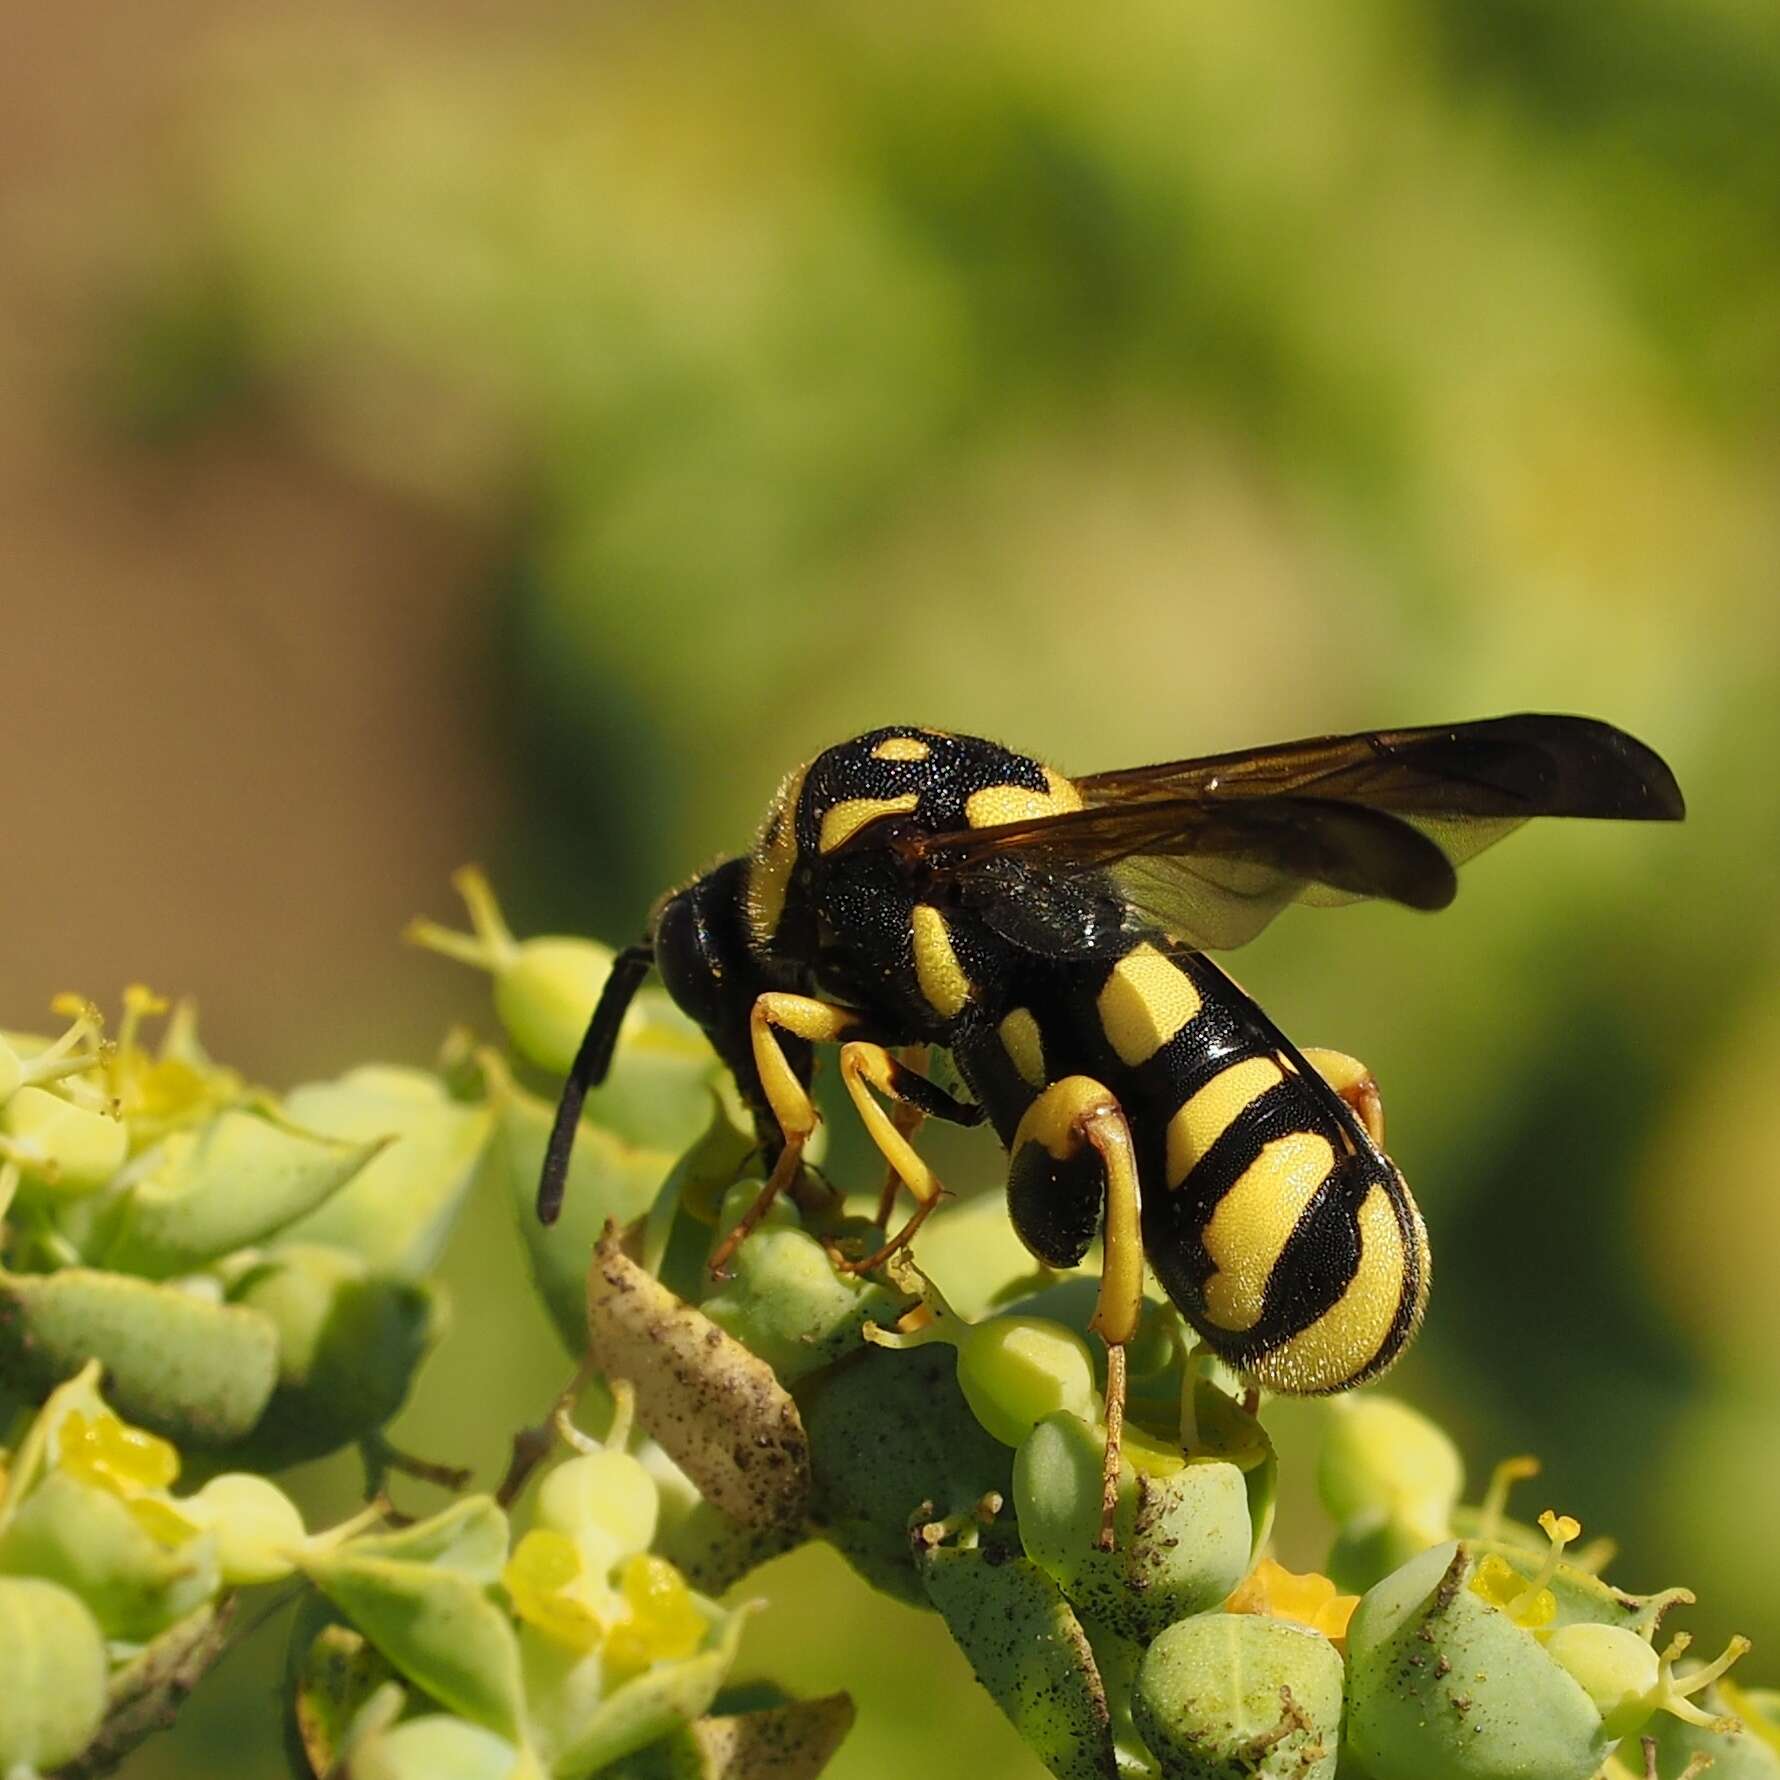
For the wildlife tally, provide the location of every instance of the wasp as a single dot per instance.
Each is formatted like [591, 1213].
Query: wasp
[916, 888]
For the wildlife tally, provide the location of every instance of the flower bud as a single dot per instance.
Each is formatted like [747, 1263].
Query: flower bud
[544, 989]
[137, 1564]
[785, 1300]
[1013, 1370]
[257, 1528]
[54, 1695]
[603, 1500]
[1182, 1532]
[1224, 1694]
[437, 1746]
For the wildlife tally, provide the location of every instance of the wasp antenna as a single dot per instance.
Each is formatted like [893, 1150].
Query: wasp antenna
[592, 1061]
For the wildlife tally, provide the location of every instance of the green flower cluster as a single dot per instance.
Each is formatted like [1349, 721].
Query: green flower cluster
[198, 1277]
[110, 1583]
[249, 1270]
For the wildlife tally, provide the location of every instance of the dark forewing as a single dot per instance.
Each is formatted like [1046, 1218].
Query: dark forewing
[1211, 849]
[1211, 873]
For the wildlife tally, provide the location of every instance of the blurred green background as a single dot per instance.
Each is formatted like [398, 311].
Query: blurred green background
[523, 431]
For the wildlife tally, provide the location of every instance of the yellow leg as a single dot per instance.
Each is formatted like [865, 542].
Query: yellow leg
[1354, 1082]
[870, 1070]
[1069, 1114]
[907, 1118]
[805, 1018]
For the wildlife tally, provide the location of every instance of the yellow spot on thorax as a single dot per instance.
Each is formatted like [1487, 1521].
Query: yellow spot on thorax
[901, 747]
[1024, 1045]
[937, 969]
[841, 821]
[1144, 1002]
[775, 854]
[1208, 1114]
[1345, 1340]
[996, 804]
[1249, 1229]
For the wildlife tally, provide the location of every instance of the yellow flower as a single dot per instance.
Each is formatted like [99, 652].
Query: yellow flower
[544, 1568]
[111, 1454]
[1308, 1600]
[665, 1623]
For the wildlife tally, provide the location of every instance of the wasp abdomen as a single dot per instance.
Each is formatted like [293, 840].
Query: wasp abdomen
[1286, 1236]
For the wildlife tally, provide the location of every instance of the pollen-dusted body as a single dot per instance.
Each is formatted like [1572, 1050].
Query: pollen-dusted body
[912, 887]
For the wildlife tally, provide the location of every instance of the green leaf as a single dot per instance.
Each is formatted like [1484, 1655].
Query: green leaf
[663, 1698]
[349, 1344]
[438, 1627]
[1028, 1649]
[198, 1372]
[397, 1212]
[231, 1183]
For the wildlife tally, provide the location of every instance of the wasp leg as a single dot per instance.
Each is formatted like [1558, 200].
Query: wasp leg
[870, 1070]
[906, 1116]
[788, 1098]
[1070, 1118]
[1354, 1082]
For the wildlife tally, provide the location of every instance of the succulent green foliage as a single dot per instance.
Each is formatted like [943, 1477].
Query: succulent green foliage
[199, 1371]
[1183, 1539]
[892, 1439]
[1228, 1695]
[397, 1211]
[435, 1621]
[784, 1299]
[611, 1180]
[185, 1207]
[348, 1343]
[1443, 1681]
[1028, 1649]
[54, 1695]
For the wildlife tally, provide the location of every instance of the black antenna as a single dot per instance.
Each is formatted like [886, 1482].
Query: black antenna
[592, 1061]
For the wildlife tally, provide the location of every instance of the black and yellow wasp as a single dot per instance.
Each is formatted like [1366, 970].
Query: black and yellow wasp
[912, 887]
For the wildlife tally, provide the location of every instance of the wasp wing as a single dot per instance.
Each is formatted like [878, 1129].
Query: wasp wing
[1211, 873]
[1211, 849]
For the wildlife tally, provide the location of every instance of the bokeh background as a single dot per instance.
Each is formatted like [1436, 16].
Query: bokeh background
[521, 431]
